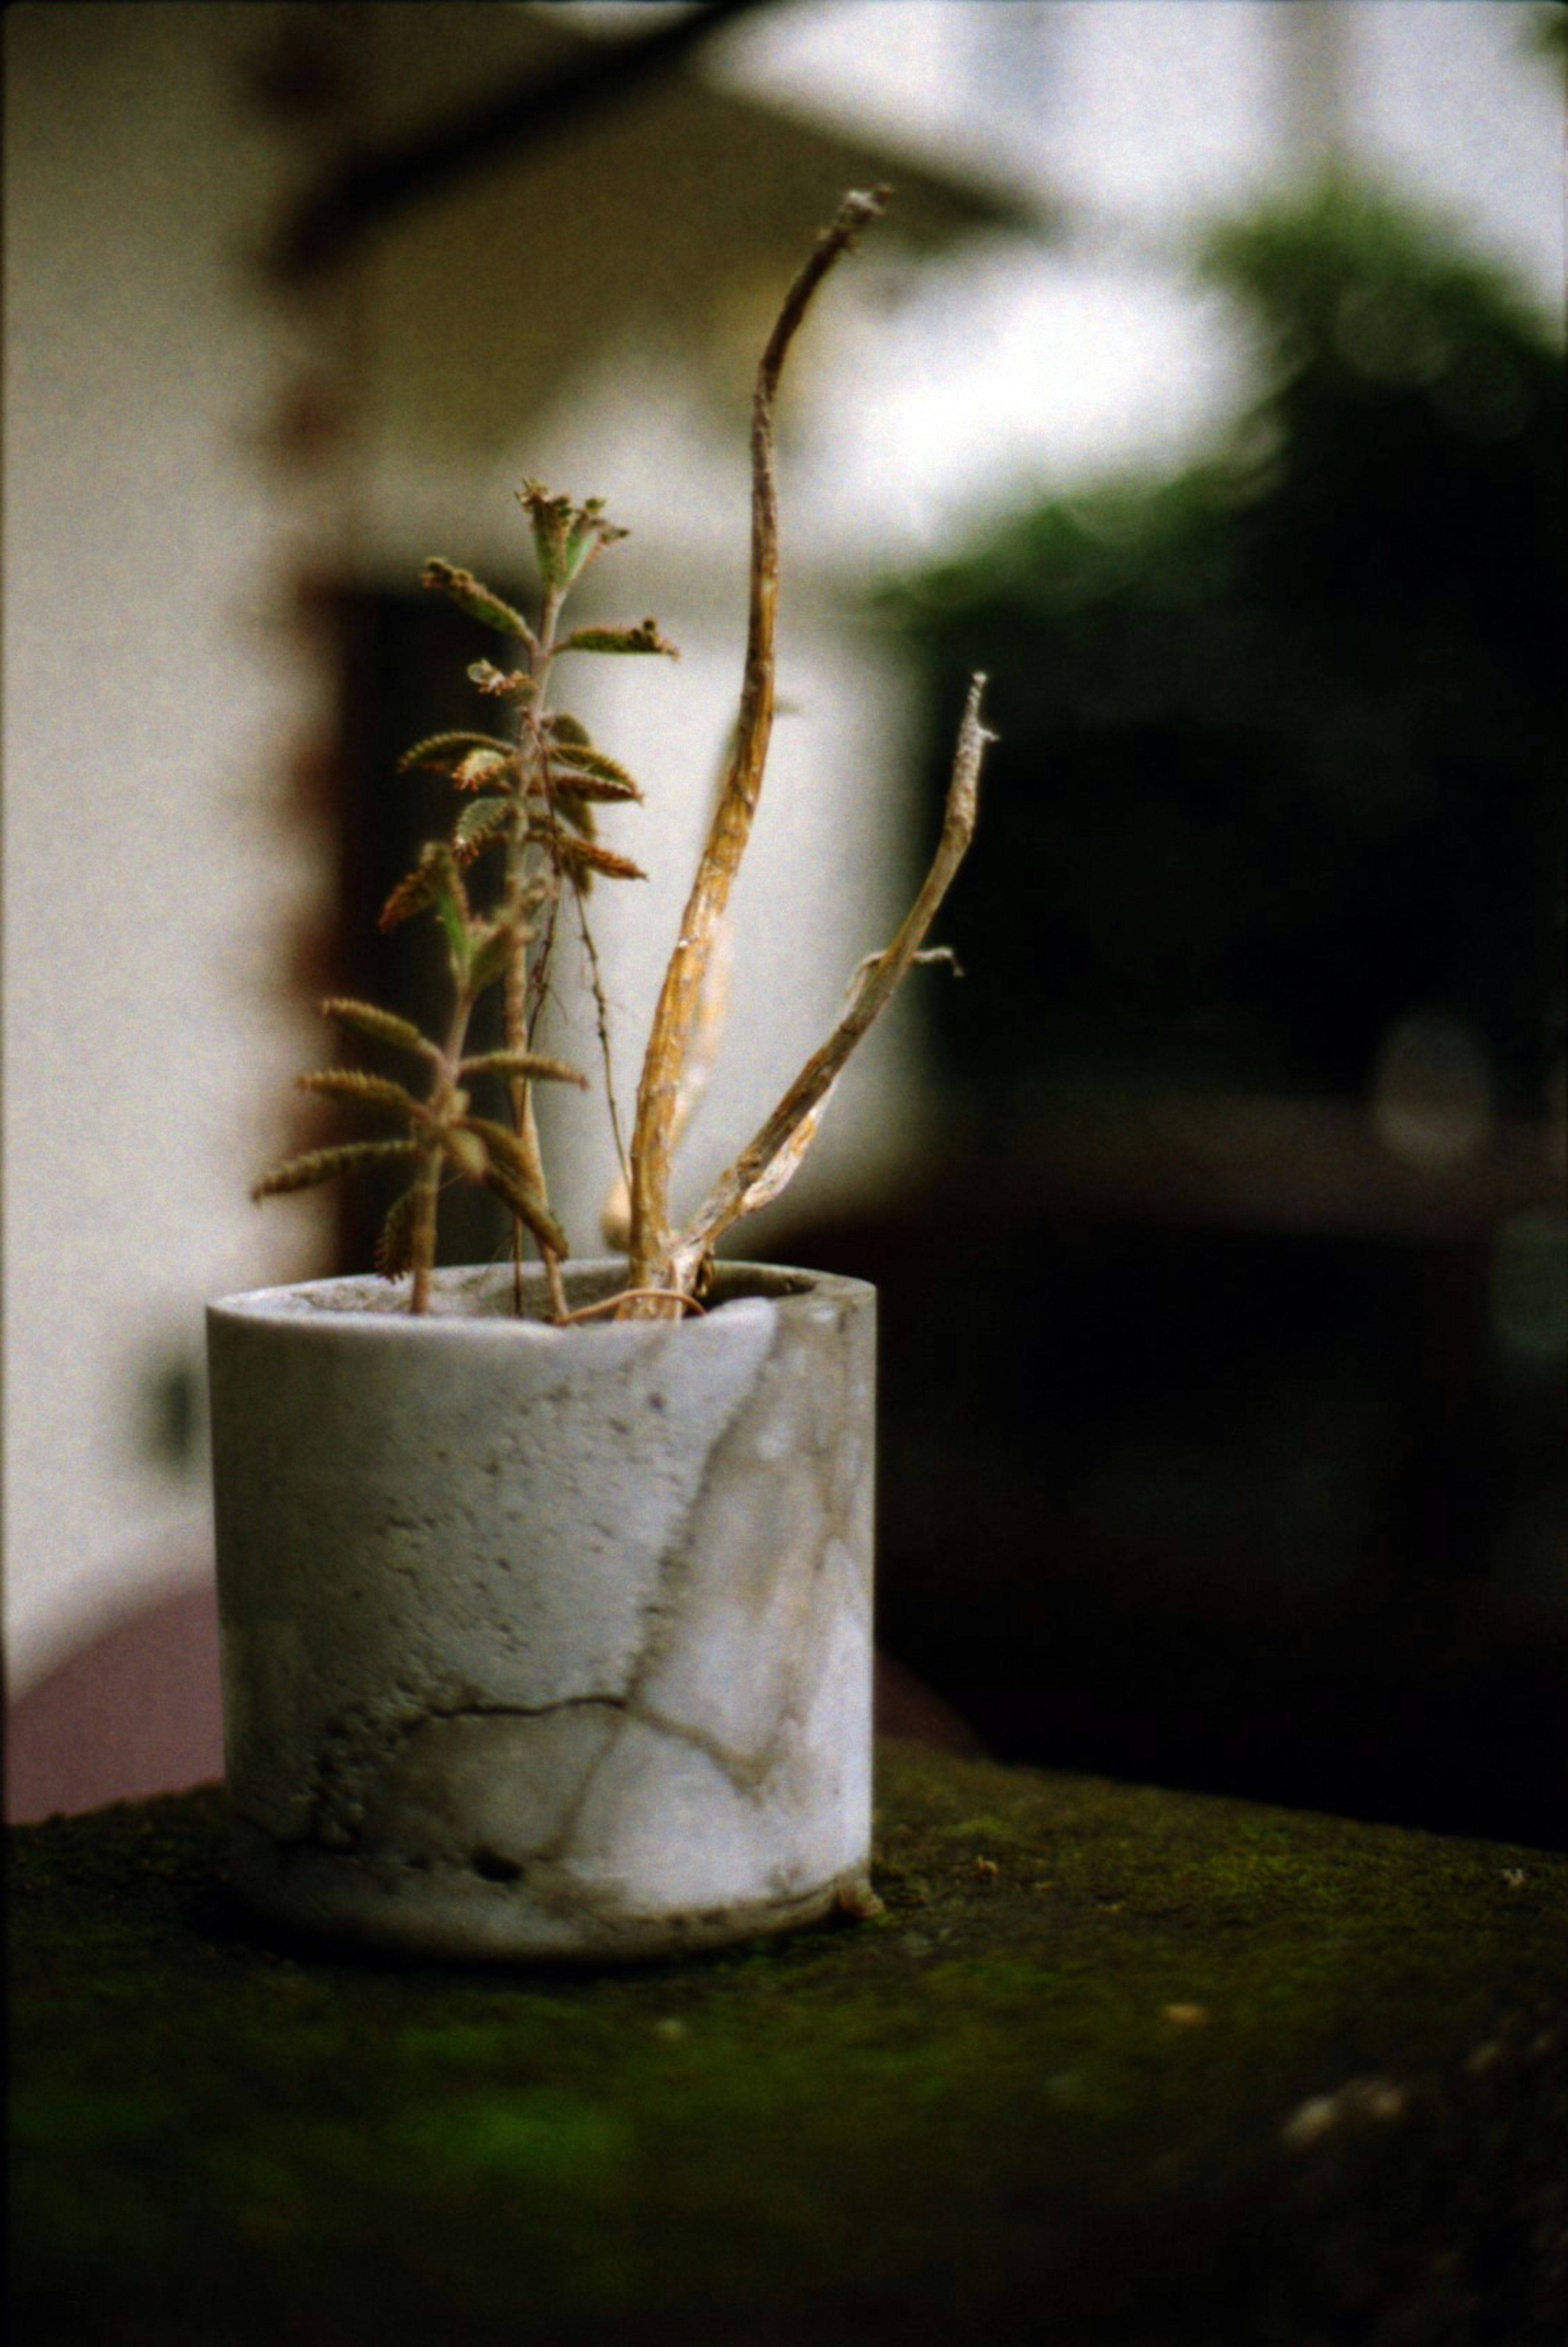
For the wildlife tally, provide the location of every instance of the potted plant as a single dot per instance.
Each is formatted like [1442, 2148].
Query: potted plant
[546, 1601]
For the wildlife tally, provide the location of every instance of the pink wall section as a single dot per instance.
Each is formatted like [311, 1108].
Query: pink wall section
[135, 1712]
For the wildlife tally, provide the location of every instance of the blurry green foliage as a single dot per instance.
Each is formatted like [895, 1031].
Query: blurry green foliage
[1281, 737]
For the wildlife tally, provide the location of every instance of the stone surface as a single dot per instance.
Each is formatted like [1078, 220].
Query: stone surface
[1115, 2067]
[546, 1640]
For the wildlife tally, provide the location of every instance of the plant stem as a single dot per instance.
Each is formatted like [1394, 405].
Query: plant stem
[674, 1018]
[770, 1159]
[520, 981]
[427, 1180]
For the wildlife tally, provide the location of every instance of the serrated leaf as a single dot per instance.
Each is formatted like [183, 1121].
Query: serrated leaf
[503, 1146]
[644, 637]
[577, 813]
[511, 1176]
[566, 536]
[394, 1248]
[524, 1063]
[467, 1153]
[484, 769]
[594, 776]
[563, 727]
[491, 956]
[528, 1208]
[434, 880]
[354, 1083]
[384, 1025]
[582, 855]
[471, 596]
[480, 822]
[514, 684]
[442, 752]
[322, 1164]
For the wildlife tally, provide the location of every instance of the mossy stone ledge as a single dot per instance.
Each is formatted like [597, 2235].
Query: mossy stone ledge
[1113, 2065]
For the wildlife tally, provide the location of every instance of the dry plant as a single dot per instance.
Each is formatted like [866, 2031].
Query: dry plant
[529, 808]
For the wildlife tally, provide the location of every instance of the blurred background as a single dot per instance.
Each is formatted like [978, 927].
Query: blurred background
[1204, 386]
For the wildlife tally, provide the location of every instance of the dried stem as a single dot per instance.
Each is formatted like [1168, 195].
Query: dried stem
[602, 1019]
[770, 1160]
[670, 1040]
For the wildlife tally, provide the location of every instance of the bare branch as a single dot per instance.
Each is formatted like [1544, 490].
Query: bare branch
[770, 1160]
[670, 1040]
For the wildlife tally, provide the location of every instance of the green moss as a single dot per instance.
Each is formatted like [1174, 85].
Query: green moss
[1059, 2068]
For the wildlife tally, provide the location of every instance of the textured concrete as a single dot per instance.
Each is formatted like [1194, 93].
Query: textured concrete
[540, 1640]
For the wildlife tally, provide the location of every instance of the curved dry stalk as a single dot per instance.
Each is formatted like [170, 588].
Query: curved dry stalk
[669, 1040]
[771, 1159]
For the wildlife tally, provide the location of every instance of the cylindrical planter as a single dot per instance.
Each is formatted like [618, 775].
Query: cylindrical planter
[545, 1642]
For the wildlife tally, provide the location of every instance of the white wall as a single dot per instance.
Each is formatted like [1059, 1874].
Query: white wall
[151, 697]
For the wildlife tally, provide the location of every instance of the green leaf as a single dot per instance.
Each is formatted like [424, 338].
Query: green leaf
[480, 822]
[491, 955]
[467, 1153]
[580, 855]
[384, 1025]
[566, 536]
[442, 752]
[514, 684]
[524, 1063]
[353, 1084]
[471, 596]
[643, 638]
[527, 1207]
[511, 1177]
[434, 880]
[486, 769]
[394, 1249]
[594, 776]
[576, 813]
[562, 727]
[322, 1164]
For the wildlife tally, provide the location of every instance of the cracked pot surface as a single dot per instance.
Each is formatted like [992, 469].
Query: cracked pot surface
[544, 1641]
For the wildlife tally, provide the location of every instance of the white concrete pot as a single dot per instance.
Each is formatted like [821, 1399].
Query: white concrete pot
[546, 1641]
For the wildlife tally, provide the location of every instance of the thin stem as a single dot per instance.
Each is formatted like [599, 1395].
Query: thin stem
[524, 985]
[427, 1180]
[613, 1303]
[602, 1015]
[771, 1158]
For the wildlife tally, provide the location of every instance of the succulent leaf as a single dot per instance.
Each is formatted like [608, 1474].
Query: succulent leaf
[384, 1025]
[644, 637]
[322, 1164]
[442, 752]
[491, 954]
[394, 1249]
[513, 685]
[592, 776]
[354, 1083]
[434, 880]
[467, 1153]
[480, 822]
[566, 536]
[524, 1063]
[562, 727]
[471, 596]
[584, 856]
[577, 813]
[484, 769]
